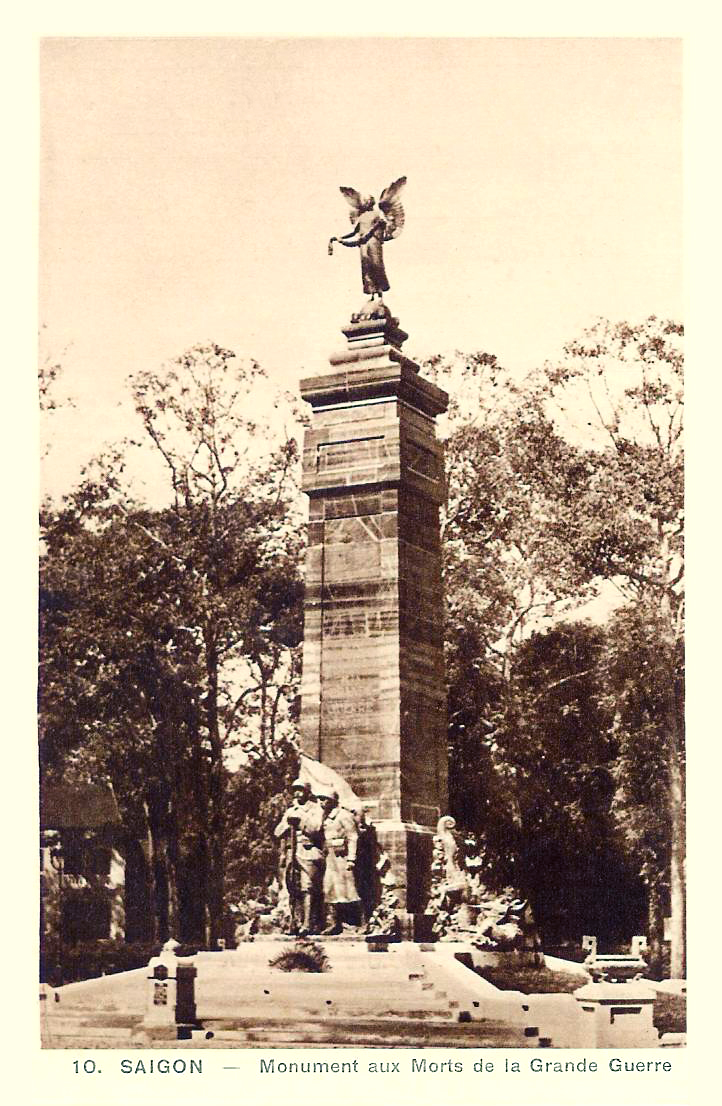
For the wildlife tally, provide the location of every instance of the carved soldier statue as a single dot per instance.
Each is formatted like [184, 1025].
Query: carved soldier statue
[302, 826]
[340, 835]
[447, 854]
[373, 224]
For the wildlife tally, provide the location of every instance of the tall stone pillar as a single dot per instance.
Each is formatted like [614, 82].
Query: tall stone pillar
[373, 696]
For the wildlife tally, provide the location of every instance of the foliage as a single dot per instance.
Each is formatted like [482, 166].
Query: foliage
[670, 1013]
[50, 396]
[169, 636]
[557, 737]
[384, 920]
[561, 489]
[632, 512]
[621, 386]
[506, 576]
[49, 374]
[90, 959]
[645, 681]
[543, 781]
[257, 795]
[304, 955]
[504, 568]
[530, 980]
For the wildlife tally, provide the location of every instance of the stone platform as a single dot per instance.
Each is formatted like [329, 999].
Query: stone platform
[405, 997]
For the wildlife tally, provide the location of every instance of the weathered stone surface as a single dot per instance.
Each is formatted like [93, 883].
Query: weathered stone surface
[373, 700]
[408, 998]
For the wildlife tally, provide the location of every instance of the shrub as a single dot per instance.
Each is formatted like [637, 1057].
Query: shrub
[670, 1013]
[303, 955]
[90, 959]
[530, 980]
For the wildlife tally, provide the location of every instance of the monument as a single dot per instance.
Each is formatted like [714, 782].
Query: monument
[373, 695]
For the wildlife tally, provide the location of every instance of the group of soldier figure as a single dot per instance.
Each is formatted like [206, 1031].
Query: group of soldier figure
[321, 841]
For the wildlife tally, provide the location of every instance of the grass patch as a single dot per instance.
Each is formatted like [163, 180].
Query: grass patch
[303, 955]
[670, 1013]
[530, 980]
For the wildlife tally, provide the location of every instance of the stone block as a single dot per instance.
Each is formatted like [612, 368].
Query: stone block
[617, 1015]
[373, 696]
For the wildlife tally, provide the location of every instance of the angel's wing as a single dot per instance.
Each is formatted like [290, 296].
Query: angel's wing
[391, 206]
[354, 200]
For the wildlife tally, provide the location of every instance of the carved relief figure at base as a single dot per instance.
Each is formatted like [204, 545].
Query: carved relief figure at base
[340, 835]
[301, 830]
[463, 906]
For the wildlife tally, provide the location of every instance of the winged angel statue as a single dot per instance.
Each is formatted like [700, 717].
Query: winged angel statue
[372, 226]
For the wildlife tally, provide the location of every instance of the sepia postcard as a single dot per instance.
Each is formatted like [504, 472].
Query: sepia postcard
[362, 693]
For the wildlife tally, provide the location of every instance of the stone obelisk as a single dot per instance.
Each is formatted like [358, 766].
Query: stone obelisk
[373, 695]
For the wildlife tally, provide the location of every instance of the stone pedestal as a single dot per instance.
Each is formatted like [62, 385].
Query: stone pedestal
[161, 991]
[373, 698]
[617, 1015]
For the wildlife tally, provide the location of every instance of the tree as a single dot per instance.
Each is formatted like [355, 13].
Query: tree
[626, 525]
[559, 736]
[194, 614]
[638, 669]
[196, 414]
[505, 572]
[257, 796]
[50, 372]
[564, 487]
[108, 685]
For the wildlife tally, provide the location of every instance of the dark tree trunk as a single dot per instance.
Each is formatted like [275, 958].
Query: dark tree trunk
[674, 725]
[655, 930]
[677, 965]
[140, 919]
[216, 843]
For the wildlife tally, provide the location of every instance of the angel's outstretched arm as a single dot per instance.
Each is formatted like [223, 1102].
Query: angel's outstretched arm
[342, 238]
[355, 237]
[350, 239]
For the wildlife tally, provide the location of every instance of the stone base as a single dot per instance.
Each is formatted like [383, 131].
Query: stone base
[409, 847]
[617, 1015]
[478, 959]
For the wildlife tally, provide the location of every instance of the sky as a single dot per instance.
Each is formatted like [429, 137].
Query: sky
[189, 187]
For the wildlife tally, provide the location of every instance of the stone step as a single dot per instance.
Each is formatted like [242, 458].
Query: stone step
[370, 1033]
[263, 1032]
[400, 998]
[364, 1007]
[69, 1028]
